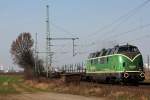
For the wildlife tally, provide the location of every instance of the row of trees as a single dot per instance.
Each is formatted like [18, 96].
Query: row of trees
[23, 55]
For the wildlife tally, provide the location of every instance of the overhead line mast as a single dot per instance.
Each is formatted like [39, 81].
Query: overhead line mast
[48, 43]
[49, 53]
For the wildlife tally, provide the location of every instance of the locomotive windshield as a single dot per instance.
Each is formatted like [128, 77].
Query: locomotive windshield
[127, 49]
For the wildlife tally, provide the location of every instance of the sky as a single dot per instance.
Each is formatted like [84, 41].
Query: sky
[94, 22]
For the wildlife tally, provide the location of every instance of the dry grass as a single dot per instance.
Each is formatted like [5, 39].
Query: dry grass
[147, 75]
[35, 84]
[111, 92]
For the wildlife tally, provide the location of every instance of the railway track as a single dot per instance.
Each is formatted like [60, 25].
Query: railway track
[141, 88]
[141, 85]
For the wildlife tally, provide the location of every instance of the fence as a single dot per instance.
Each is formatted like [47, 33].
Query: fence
[74, 68]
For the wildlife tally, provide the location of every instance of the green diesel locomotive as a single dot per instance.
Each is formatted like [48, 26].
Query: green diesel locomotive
[121, 63]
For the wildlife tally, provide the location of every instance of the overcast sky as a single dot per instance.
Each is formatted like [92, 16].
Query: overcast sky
[95, 22]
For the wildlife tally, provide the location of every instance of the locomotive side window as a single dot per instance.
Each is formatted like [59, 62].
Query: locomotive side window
[98, 54]
[93, 55]
[103, 52]
[103, 60]
[116, 50]
[108, 52]
[112, 51]
[95, 61]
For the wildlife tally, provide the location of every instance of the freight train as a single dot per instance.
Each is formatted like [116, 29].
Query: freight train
[122, 63]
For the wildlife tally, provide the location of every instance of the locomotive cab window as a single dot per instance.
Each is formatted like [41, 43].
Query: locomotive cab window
[127, 49]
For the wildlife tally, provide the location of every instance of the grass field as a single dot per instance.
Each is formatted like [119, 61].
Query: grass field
[12, 84]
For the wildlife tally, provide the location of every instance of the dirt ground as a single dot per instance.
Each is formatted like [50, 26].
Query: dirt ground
[46, 96]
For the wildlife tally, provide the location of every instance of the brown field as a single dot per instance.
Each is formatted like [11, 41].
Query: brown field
[12, 84]
[147, 75]
[107, 91]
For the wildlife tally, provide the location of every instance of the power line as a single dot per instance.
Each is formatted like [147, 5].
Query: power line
[86, 45]
[126, 16]
[123, 18]
[137, 39]
[124, 33]
[63, 29]
[129, 31]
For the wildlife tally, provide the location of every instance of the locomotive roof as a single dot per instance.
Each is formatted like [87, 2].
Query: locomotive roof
[109, 51]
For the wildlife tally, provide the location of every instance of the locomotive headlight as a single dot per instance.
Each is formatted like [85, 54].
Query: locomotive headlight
[126, 75]
[142, 74]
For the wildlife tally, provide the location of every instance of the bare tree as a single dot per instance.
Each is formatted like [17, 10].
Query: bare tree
[22, 53]
[39, 70]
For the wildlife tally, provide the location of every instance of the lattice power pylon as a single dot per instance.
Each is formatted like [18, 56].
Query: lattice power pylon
[48, 44]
